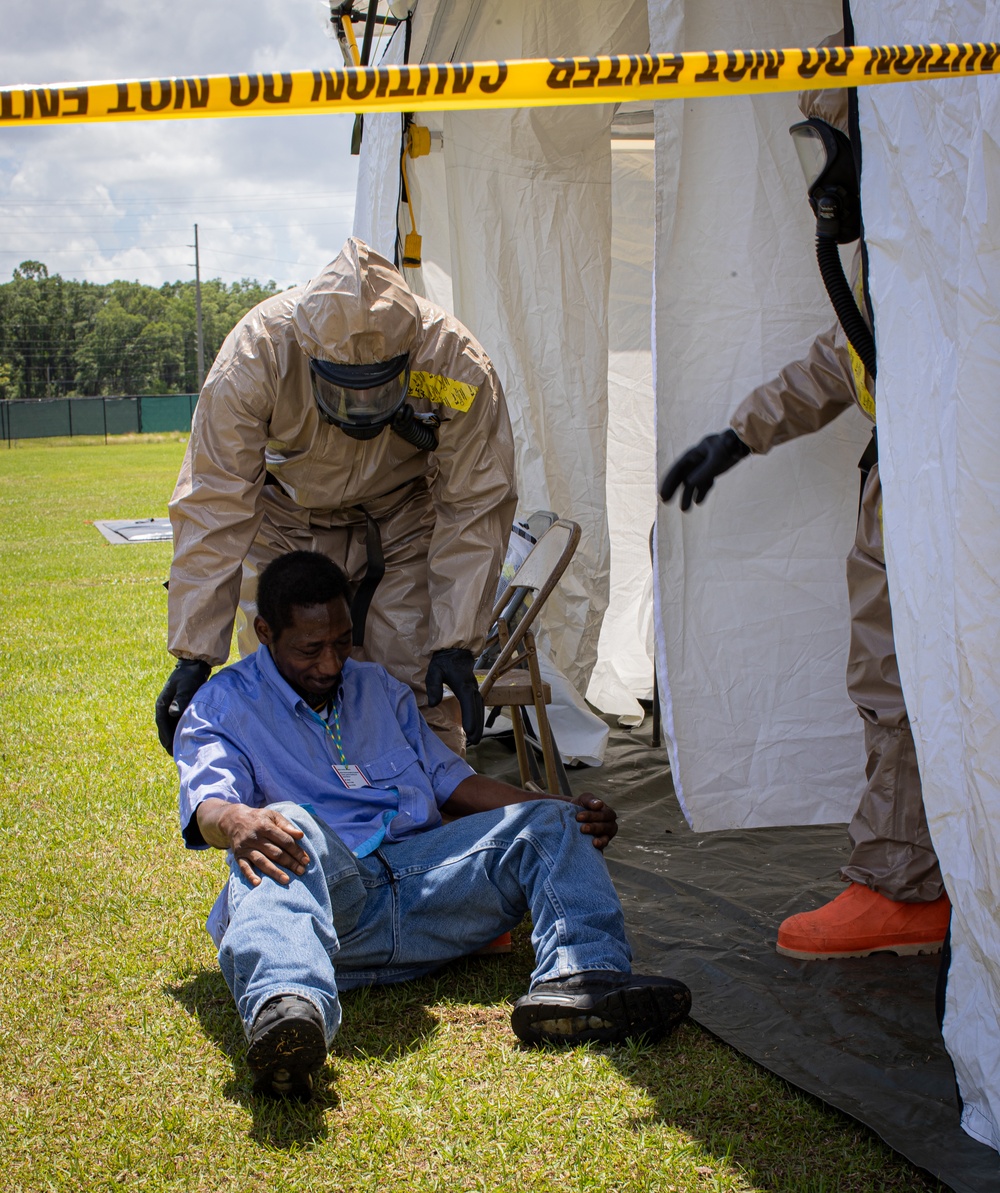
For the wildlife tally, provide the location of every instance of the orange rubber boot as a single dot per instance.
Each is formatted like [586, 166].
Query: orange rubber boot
[860, 922]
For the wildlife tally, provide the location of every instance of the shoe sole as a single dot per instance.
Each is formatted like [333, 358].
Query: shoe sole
[923, 949]
[648, 1012]
[284, 1059]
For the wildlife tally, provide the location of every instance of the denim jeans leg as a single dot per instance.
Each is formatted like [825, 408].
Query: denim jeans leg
[457, 887]
[281, 939]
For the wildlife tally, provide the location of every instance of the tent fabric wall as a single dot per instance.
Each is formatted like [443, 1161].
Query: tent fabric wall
[930, 190]
[528, 197]
[751, 600]
[624, 671]
[377, 196]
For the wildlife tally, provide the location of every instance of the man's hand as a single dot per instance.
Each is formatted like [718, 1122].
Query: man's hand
[596, 820]
[261, 839]
[478, 793]
[698, 467]
[456, 669]
[182, 683]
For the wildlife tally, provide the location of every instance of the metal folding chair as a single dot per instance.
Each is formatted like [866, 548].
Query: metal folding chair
[513, 680]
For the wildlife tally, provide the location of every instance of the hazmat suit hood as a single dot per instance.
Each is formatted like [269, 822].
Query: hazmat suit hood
[358, 310]
[829, 104]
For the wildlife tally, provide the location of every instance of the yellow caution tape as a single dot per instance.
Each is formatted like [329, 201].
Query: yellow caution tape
[457, 395]
[538, 82]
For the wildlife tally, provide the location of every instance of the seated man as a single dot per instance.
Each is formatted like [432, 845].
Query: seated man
[326, 785]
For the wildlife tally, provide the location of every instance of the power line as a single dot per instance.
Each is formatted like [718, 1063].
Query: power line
[64, 252]
[119, 269]
[270, 196]
[78, 252]
[25, 223]
[271, 203]
[249, 257]
[116, 223]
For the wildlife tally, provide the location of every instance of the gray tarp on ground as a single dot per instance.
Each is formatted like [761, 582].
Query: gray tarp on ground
[705, 907]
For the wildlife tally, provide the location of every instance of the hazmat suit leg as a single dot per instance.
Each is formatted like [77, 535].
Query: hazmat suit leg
[398, 622]
[398, 626]
[891, 845]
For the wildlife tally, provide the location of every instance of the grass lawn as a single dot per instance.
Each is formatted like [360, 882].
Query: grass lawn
[121, 1055]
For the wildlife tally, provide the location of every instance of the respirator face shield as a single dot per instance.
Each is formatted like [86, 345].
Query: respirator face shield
[360, 399]
[831, 176]
[812, 147]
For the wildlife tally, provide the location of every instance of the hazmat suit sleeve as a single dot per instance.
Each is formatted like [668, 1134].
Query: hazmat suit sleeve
[474, 494]
[805, 396]
[214, 510]
[811, 392]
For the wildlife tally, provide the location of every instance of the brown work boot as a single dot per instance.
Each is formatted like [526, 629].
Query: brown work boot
[860, 922]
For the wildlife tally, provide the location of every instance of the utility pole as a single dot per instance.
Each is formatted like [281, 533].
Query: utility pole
[197, 308]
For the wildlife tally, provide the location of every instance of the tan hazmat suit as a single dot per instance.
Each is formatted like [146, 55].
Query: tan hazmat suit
[264, 474]
[892, 851]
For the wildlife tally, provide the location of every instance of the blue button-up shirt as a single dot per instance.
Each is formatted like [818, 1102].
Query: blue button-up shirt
[247, 737]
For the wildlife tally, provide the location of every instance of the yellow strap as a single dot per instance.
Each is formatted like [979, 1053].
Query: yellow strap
[524, 83]
[456, 395]
[866, 399]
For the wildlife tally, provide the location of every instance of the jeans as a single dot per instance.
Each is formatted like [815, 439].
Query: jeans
[414, 904]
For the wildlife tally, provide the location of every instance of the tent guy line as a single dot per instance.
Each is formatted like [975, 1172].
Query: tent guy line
[453, 86]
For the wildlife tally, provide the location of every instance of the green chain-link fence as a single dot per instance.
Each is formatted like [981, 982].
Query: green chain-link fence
[96, 416]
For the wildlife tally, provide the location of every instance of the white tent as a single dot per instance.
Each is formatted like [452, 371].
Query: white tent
[532, 229]
[934, 241]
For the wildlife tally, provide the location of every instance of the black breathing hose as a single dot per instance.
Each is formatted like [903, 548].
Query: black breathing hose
[851, 320]
[423, 435]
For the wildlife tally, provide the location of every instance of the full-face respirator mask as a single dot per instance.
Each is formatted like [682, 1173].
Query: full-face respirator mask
[831, 175]
[362, 400]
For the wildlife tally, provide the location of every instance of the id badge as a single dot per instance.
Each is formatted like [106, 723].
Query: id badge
[351, 776]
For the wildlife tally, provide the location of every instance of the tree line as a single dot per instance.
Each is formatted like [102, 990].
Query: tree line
[62, 338]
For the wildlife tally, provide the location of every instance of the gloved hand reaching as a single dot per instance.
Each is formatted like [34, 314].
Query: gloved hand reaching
[454, 667]
[698, 467]
[185, 679]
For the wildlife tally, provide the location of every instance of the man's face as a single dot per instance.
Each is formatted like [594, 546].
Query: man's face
[310, 653]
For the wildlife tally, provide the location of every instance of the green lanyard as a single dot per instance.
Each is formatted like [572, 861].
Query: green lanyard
[376, 839]
[333, 730]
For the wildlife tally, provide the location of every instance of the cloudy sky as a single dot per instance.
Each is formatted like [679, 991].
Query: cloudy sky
[273, 197]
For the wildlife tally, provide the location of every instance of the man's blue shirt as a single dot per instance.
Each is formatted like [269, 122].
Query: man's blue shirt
[248, 738]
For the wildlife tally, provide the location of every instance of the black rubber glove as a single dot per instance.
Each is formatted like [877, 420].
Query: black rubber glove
[185, 679]
[454, 667]
[700, 465]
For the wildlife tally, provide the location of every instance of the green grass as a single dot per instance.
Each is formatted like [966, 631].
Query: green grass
[121, 1056]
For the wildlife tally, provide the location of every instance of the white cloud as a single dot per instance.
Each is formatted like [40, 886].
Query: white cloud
[273, 197]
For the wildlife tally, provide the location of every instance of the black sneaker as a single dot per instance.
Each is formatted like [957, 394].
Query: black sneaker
[602, 1006]
[287, 1045]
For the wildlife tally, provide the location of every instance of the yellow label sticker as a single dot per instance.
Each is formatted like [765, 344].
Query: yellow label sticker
[514, 83]
[456, 395]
